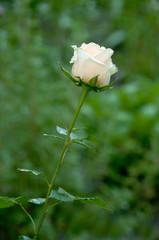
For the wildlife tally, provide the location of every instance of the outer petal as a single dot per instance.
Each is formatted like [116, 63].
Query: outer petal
[105, 80]
[87, 67]
[104, 56]
[112, 66]
[74, 58]
[83, 45]
[114, 69]
[92, 49]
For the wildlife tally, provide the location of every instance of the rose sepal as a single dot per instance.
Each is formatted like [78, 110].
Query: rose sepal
[101, 89]
[77, 83]
[92, 84]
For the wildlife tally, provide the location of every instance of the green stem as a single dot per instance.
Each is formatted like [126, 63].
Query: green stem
[64, 150]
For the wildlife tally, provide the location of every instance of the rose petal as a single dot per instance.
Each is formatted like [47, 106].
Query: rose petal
[114, 69]
[83, 45]
[109, 65]
[77, 67]
[105, 80]
[104, 56]
[92, 49]
[74, 58]
[87, 67]
[91, 60]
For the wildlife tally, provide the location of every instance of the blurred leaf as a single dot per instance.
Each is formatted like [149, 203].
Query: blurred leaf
[149, 110]
[52, 135]
[96, 200]
[63, 196]
[24, 238]
[73, 136]
[21, 200]
[80, 136]
[6, 202]
[84, 145]
[116, 38]
[61, 130]
[34, 172]
[37, 200]
[79, 139]
[79, 129]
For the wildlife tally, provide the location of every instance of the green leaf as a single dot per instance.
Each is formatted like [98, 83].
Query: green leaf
[93, 81]
[84, 145]
[80, 136]
[74, 138]
[24, 238]
[6, 202]
[52, 135]
[37, 200]
[63, 196]
[21, 200]
[79, 129]
[61, 130]
[34, 172]
[70, 76]
[96, 200]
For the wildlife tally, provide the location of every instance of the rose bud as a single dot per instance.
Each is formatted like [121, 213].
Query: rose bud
[90, 61]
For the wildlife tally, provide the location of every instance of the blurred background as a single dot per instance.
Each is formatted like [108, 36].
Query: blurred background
[35, 35]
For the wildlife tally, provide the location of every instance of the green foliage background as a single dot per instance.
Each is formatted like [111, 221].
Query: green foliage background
[35, 97]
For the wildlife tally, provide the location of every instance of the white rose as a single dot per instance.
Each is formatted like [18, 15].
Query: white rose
[91, 60]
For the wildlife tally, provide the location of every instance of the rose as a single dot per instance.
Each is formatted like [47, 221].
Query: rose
[91, 60]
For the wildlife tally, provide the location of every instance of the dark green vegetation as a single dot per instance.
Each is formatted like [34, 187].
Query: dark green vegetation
[35, 96]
